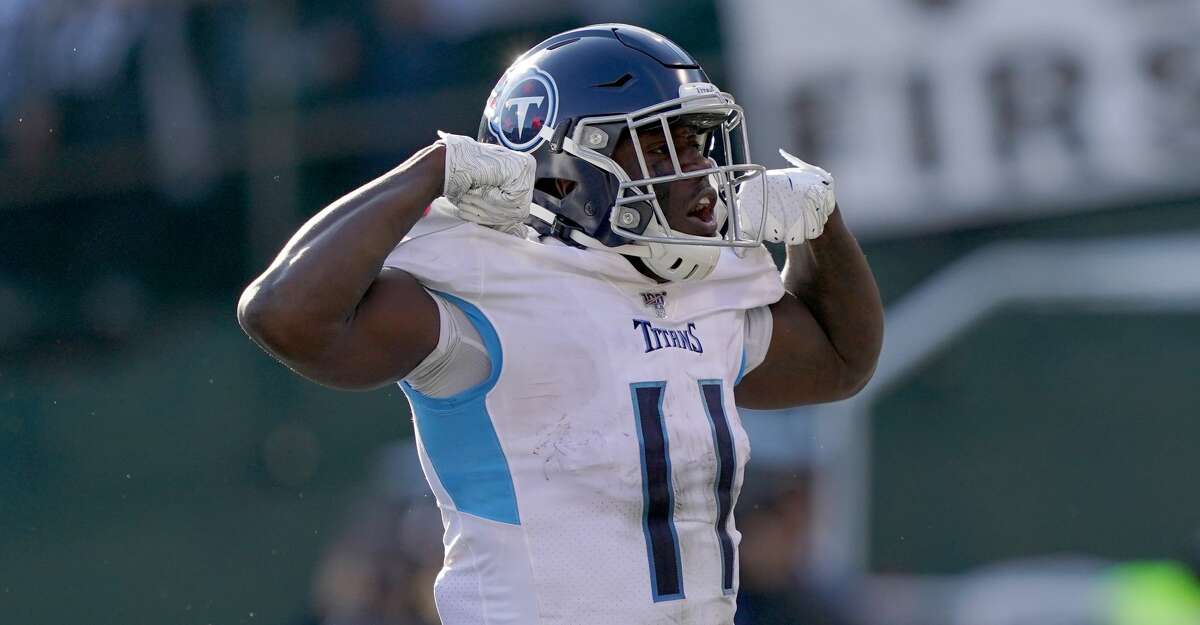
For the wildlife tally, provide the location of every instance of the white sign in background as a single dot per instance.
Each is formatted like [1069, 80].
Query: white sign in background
[940, 113]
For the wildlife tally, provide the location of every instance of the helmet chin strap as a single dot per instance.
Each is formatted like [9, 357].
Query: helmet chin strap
[679, 263]
[674, 263]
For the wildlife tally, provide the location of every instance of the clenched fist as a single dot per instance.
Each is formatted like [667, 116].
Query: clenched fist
[800, 200]
[489, 184]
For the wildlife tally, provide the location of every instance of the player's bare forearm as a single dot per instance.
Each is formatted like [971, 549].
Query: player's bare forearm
[312, 292]
[828, 327]
[830, 275]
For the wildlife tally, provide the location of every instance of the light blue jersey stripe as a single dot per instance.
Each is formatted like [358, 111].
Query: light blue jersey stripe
[460, 439]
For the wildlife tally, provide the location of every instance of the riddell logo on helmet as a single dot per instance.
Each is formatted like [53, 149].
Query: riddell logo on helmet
[698, 88]
[527, 102]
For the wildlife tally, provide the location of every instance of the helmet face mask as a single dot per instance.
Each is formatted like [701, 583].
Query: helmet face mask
[638, 188]
[561, 103]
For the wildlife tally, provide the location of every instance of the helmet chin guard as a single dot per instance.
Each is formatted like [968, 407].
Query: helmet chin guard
[675, 262]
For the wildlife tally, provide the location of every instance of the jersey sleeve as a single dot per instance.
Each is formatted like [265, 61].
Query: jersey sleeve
[758, 336]
[459, 362]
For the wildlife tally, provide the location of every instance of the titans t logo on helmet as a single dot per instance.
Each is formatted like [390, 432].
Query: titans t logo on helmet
[526, 102]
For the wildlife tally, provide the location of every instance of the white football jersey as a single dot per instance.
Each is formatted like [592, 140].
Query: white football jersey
[590, 480]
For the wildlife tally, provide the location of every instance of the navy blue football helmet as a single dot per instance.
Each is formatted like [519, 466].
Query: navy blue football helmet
[570, 99]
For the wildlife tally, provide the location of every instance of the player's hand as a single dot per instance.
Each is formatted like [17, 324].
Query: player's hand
[489, 184]
[800, 200]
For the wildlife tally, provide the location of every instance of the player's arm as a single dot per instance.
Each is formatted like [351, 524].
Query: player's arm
[327, 309]
[827, 329]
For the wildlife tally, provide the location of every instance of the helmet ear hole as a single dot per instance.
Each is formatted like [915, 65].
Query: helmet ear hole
[565, 187]
[558, 188]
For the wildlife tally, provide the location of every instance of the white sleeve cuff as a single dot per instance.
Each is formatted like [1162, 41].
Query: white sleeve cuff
[460, 360]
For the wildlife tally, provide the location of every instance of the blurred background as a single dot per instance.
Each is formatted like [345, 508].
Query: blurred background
[1024, 176]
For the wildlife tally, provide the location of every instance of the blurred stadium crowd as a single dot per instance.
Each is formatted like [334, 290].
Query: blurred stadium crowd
[1025, 457]
[194, 111]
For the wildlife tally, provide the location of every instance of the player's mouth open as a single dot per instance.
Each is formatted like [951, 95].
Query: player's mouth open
[702, 213]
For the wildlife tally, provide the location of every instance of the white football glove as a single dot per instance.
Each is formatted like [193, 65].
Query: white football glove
[800, 200]
[489, 184]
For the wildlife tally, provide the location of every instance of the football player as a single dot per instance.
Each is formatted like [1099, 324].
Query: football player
[575, 302]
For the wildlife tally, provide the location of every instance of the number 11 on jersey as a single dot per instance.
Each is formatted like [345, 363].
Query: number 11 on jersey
[662, 540]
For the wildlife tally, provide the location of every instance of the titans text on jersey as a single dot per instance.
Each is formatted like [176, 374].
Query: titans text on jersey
[659, 338]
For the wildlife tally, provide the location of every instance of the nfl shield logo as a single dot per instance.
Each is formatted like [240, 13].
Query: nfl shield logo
[657, 300]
